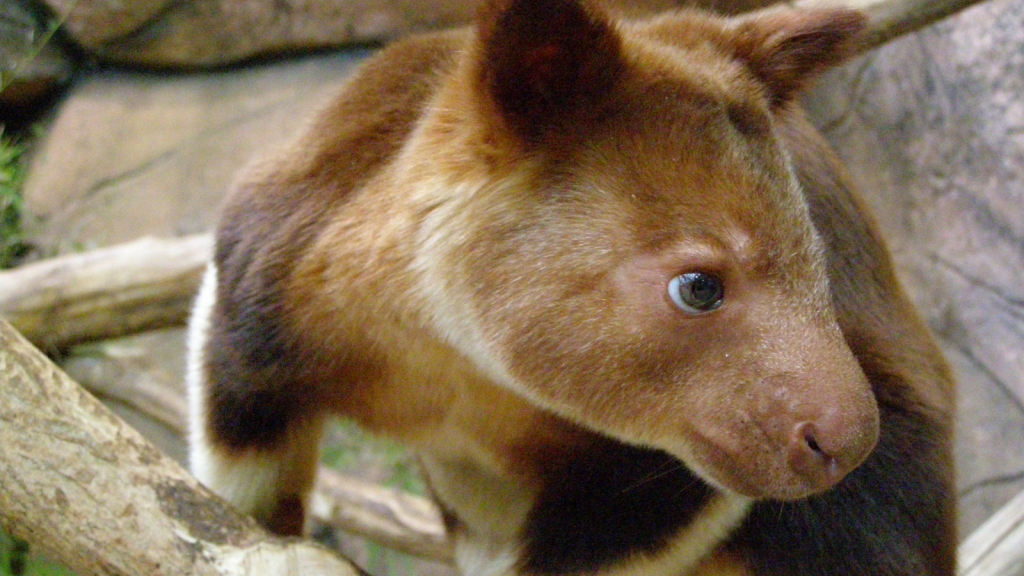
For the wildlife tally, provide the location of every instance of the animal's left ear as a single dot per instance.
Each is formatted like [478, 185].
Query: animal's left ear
[786, 49]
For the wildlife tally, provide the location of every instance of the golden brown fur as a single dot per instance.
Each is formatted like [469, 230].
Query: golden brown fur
[471, 249]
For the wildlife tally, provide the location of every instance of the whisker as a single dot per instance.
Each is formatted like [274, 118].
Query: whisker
[664, 469]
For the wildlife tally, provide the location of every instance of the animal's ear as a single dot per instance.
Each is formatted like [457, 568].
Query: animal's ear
[545, 60]
[786, 49]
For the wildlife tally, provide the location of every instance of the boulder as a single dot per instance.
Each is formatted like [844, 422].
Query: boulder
[164, 33]
[201, 33]
[32, 65]
[132, 153]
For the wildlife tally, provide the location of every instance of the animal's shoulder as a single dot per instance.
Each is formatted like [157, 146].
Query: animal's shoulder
[389, 91]
[283, 200]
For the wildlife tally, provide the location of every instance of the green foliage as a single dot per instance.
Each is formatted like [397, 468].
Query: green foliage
[12, 176]
[15, 560]
[7, 77]
[350, 449]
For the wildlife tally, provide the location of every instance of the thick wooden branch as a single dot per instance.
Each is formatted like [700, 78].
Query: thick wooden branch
[104, 293]
[390, 517]
[401, 521]
[88, 490]
[996, 548]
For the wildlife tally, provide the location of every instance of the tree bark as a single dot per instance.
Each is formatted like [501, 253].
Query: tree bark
[90, 492]
[149, 283]
[996, 548]
[401, 521]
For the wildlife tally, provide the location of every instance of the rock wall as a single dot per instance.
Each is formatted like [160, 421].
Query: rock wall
[200, 33]
[133, 153]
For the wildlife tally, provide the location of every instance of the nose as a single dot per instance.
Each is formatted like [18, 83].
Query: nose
[810, 461]
[823, 451]
[819, 424]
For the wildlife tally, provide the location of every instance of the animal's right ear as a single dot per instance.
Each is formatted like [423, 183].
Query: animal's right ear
[545, 60]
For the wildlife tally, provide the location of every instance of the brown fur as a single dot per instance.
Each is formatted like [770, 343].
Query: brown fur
[469, 251]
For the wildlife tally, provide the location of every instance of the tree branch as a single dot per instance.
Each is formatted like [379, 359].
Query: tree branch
[89, 491]
[996, 548]
[391, 517]
[145, 284]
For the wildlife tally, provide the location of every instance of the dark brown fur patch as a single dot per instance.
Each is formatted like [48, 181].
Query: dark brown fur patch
[544, 60]
[608, 503]
[262, 372]
[896, 514]
[288, 517]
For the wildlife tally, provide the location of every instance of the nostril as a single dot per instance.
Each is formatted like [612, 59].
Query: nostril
[810, 459]
[812, 442]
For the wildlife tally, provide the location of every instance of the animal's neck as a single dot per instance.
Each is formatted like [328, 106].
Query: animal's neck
[547, 496]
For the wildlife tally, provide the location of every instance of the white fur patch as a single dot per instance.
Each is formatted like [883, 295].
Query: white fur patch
[247, 482]
[477, 559]
[250, 483]
[200, 456]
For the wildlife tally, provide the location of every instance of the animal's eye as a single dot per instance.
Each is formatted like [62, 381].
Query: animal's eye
[696, 292]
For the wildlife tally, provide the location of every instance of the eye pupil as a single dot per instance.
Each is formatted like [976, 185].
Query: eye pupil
[705, 289]
[696, 292]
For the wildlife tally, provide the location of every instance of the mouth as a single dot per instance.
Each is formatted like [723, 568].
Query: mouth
[761, 468]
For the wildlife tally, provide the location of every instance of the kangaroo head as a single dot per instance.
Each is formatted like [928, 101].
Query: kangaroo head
[633, 250]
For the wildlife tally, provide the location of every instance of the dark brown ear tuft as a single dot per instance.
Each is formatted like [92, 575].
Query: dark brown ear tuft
[786, 49]
[546, 59]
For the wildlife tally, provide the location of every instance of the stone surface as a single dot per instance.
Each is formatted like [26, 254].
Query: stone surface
[212, 32]
[31, 65]
[136, 153]
[932, 126]
[198, 33]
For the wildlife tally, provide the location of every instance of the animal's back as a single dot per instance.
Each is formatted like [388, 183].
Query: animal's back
[247, 363]
[286, 199]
